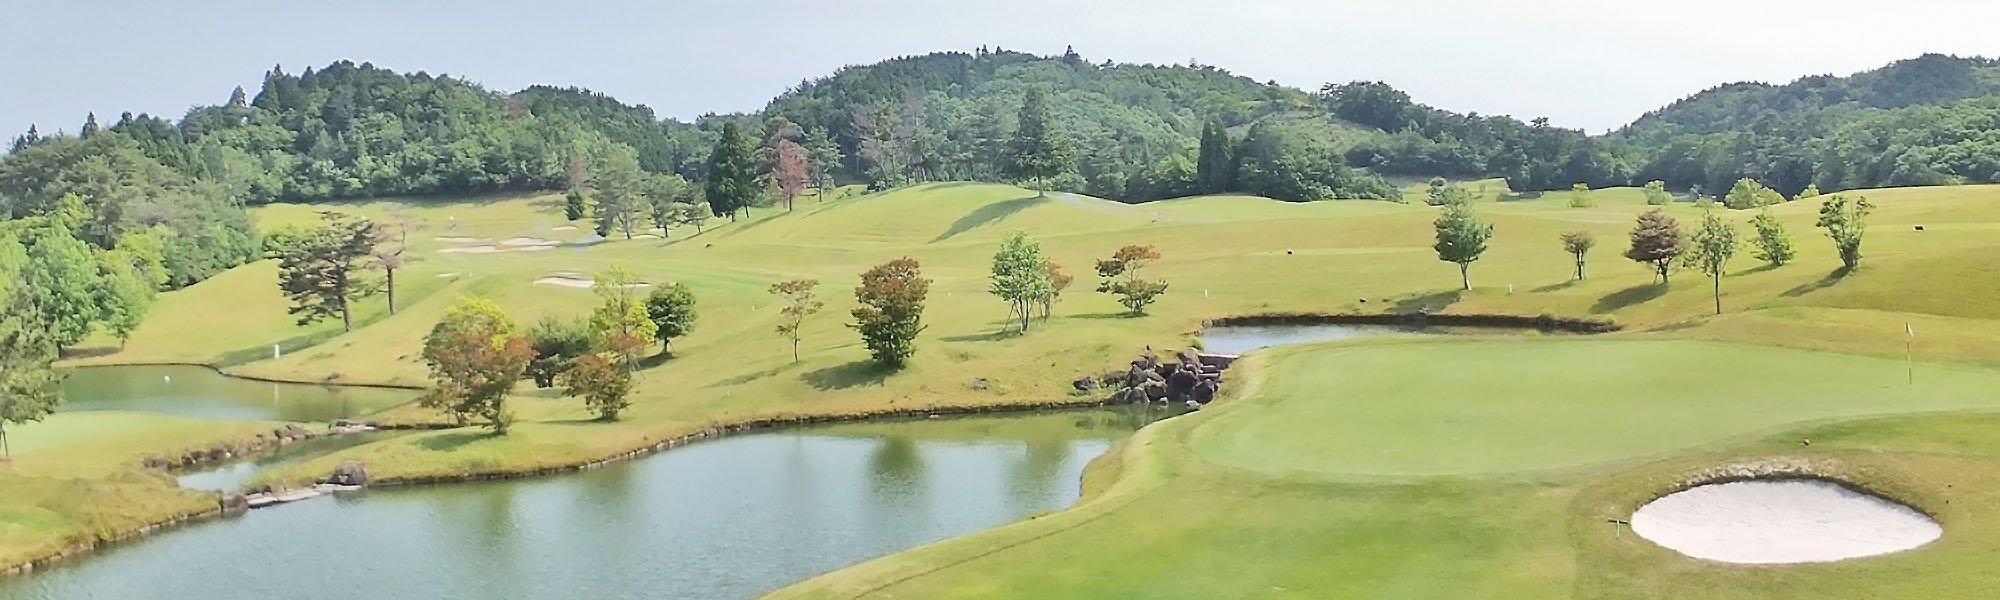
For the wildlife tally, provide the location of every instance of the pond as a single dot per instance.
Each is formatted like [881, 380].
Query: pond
[200, 392]
[731, 518]
[1238, 339]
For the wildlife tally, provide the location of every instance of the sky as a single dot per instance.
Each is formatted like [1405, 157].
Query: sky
[1589, 64]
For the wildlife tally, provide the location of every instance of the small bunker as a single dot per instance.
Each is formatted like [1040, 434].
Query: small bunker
[1782, 521]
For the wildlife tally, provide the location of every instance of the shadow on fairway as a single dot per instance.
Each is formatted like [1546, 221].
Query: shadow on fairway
[1820, 284]
[1557, 286]
[454, 440]
[988, 214]
[1627, 297]
[851, 375]
[993, 336]
[1427, 302]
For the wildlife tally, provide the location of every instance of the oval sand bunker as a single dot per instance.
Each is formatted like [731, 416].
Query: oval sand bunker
[1778, 521]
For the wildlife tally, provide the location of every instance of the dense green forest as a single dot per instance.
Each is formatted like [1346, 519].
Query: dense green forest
[179, 187]
[1931, 120]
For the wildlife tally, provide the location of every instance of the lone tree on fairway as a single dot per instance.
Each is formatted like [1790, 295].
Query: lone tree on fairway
[322, 269]
[392, 249]
[800, 302]
[1578, 243]
[620, 321]
[1657, 240]
[603, 385]
[1846, 222]
[558, 343]
[1020, 276]
[892, 309]
[732, 172]
[1121, 277]
[475, 356]
[1774, 245]
[1656, 193]
[1811, 191]
[788, 170]
[1580, 196]
[695, 213]
[1058, 281]
[1039, 151]
[1461, 238]
[1713, 245]
[671, 308]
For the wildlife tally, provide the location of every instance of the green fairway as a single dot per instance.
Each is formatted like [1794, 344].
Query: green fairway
[1283, 494]
[1341, 440]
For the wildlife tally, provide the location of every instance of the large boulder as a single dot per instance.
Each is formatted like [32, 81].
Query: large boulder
[1155, 391]
[1204, 392]
[1084, 384]
[234, 502]
[1219, 361]
[1181, 383]
[349, 473]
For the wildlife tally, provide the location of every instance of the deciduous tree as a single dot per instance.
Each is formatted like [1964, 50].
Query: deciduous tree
[557, 343]
[604, 386]
[392, 249]
[1121, 277]
[621, 193]
[671, 307]
[30, 389]
[1578, 243]
[800, 303]
[1774, 244]
[1656, 193]
[620, 321]
[1846, 222]
[475, 356]
[1020, 276]
[1581, 197]
[1058, 281]
[788, 171]
[1657, 240]
[892, 309]
[1713, 246]
[1461, 239]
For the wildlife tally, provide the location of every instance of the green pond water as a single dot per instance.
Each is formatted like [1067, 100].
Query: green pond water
[200, 392]
[730, 518]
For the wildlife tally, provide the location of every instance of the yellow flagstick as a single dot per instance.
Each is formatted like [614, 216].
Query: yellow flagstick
[1909, 363]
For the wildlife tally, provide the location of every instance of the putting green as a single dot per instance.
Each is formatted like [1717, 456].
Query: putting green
[1459, 408]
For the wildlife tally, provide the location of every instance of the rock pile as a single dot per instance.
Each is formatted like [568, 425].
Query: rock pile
[1191, 377]
[279, 436]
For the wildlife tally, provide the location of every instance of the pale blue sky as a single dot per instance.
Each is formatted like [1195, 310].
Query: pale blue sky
[1594, 64]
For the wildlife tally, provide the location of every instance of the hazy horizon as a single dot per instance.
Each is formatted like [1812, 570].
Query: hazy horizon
[1582, 65]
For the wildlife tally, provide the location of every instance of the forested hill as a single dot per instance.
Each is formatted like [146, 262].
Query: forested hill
[1931, 120]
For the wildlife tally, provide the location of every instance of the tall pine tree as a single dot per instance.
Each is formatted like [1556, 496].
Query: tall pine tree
[732, 172]
[1039, 151]
[1212, 169]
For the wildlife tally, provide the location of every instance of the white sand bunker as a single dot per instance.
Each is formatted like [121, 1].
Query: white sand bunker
[528, 241]
[563, 228]
[492, 249]
[1779, 521]
[461, 240]
[578, 280]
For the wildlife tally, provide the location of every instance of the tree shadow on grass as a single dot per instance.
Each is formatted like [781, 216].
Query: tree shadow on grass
[445, 442]
[749, 377]
[1428, 302]
[1637, 294]
[1553, 287]
[988, 214]
[88, 352]
[1819, 284]
[992, 336]
[1123, 314]
[850, 375]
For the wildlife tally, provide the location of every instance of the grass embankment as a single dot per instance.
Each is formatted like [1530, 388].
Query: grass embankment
[74, 479]
[1490, 469]
[1224, 255]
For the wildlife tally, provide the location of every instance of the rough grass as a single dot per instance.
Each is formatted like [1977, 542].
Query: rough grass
[1223, 255]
